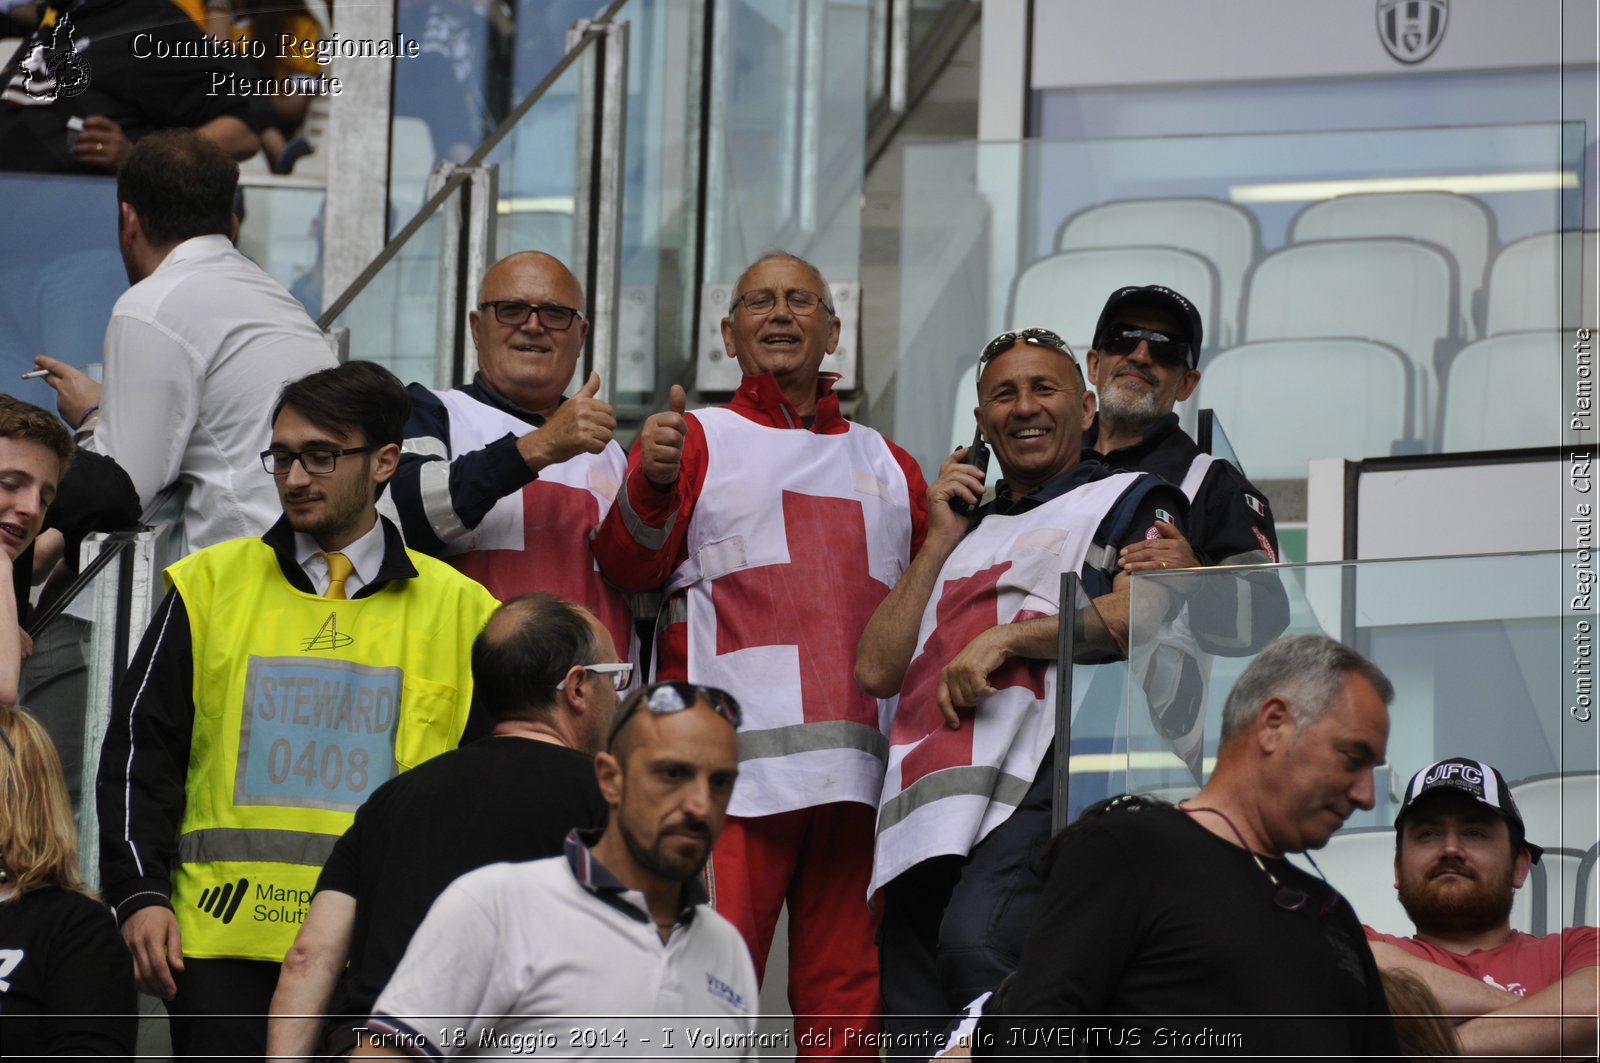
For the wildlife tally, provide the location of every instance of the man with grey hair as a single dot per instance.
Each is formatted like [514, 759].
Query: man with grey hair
[776, 527]
[1161, 911]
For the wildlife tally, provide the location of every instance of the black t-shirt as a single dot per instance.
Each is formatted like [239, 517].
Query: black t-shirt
[499, 799]
[133, 77]
[61, 956]
[1148, 915]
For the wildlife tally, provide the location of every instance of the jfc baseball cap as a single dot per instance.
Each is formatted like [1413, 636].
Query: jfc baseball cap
[1481, 782]
[1163, 299]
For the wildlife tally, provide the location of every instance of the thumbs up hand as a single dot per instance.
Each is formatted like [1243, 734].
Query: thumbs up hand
[661, 440]
[582, 424]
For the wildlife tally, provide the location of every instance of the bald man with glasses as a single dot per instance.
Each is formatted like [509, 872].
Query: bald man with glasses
[505, 477]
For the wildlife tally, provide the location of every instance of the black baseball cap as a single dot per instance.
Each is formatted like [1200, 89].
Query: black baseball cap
[1479, 781]
[1161, 298]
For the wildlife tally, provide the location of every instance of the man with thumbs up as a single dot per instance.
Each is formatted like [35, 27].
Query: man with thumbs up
[505, 477]
[776, 527]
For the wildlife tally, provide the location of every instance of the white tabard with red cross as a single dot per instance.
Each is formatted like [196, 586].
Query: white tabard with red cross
[945, 789]
[538, 539]
[795, 539]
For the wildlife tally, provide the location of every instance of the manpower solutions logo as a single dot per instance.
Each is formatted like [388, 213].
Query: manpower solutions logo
[223, 901]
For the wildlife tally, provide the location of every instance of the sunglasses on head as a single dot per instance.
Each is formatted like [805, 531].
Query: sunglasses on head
[663, 699]
[1038, 337]
[1163, 348]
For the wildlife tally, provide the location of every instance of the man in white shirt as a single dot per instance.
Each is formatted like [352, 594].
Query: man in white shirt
[193, 348]
[513, 957]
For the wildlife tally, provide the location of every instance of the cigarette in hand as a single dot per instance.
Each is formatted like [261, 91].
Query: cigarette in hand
[36, 374]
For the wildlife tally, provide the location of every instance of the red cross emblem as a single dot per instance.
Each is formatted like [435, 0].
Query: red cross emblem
[556, 520]
[820, 601]
[967, 607]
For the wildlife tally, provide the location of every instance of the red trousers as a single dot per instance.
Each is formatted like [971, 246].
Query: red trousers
[819, 860]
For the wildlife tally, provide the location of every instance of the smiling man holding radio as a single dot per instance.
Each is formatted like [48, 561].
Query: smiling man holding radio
[967, 639]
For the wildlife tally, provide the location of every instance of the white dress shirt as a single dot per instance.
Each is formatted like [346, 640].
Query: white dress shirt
[365, 556]
[195, 356]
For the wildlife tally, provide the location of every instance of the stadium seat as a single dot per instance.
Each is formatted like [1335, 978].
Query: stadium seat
[1538, 283]
[1360, 865]
[1286, 402]
[1460, 224]
[1399, 292]
[1560, 810]
[1067, 290]
[1504, 393]
[1220, 232]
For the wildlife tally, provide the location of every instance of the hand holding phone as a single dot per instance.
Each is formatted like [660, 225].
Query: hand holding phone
[977, 455]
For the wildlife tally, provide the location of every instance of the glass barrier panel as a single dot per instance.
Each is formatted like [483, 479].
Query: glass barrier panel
[281, 232]
[539, 183]
[476, 61]
[1474, 647]
[394, 318]
[62, 275]
[660, 208]
[787, 134]
[1403, 310]
[55, 680]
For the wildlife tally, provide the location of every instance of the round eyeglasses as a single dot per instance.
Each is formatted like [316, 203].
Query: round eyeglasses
[800, 302]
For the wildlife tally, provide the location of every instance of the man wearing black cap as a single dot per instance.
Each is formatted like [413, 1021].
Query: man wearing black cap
[1144, 360]
[1461, 853]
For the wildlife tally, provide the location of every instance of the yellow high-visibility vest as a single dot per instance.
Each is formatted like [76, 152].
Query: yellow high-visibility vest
[303, 706]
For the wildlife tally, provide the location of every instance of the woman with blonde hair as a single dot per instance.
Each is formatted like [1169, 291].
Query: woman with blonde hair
[66, 978]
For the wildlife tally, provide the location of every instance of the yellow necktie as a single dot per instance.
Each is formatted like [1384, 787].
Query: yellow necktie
[339, 569]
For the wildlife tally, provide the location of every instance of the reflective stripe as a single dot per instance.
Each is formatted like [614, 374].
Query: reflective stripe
[1103, 558]
[427, 446]
[976, 780]
[433, 484]
[810, 737]
[676, 611]
[1197, 472]
[647, 537]
[238, 843]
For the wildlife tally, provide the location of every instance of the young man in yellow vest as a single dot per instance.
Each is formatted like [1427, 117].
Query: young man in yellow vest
[282, 680]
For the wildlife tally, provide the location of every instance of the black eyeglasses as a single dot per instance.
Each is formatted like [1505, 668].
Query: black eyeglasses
[6, 739]
[663, 699]
[1038, 337]
[316, 462]
[1163, 348]
[799, 301]
[553, 316]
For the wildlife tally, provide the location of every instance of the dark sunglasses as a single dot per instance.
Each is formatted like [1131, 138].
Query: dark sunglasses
[663, 699]
[1039, 337]
[1163, 348]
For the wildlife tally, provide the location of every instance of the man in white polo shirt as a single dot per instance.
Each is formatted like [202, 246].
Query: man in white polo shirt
[513, 957]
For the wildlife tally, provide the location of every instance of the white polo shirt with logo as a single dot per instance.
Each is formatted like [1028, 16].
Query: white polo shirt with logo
[556, 958]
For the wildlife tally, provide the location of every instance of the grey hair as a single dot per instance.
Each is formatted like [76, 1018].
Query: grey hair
[779, 254]
[1308, 672]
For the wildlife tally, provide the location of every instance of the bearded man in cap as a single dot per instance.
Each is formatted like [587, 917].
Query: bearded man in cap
[1461, 853]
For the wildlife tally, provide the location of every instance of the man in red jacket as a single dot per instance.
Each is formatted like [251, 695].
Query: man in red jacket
[775, 527]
